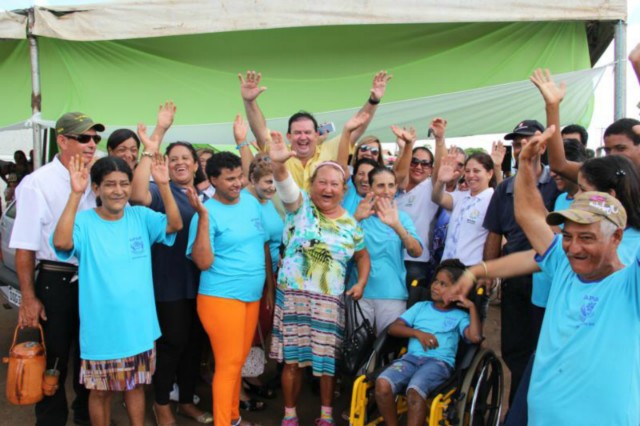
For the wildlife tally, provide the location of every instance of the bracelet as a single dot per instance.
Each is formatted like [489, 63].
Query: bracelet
[486, 270]
[147, 154]
[470, 274]
[245, 143]
[372, 102]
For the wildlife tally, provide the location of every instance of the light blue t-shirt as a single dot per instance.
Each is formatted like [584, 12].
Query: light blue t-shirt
[351, 198]
[117, 307]
[273, 226]
[587, 365]
[388, 273]
[626, 252]
[237, 236]
[447, 325]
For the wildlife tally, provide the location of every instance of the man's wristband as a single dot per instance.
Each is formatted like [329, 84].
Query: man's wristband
[372, 101]
[240, 145]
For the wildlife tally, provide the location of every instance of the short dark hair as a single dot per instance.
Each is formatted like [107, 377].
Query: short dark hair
[379, 170]
[424, 148]
[119, 136]
[624, 126]
[222, 160]
[574, 150]
[107, 165]
[362, 162]
[576, 128]
[302, 115]
[454, 267]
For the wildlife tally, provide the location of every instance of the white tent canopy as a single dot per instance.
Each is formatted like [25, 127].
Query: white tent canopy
[126, 19]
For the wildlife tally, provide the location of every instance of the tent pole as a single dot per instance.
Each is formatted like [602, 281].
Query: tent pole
[620, 71]
[36, 98]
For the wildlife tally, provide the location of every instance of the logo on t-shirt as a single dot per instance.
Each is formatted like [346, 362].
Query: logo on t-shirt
[473, 216]
[257, 223]
[587, 309]
[136, 245]
[449, 323]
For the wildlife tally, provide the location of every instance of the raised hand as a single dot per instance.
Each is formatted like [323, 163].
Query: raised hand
[279, 152]
[150, 144]
[195, 201]
[78, 174]
[356, 121]
[459, 289]
[160, 169]
[498, 152]
[552, 93]
[427, 340]
[366, 207]
[438, 127]
[536, 144]
[447, 172]
[166, 113]
[379, 86]
[387, 212]
[634, 56]
[250, 87]
[404, 136]
[239, 129]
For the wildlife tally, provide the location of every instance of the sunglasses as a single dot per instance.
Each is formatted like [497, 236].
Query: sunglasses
[371, 149]
[424, 163]
[85, 138]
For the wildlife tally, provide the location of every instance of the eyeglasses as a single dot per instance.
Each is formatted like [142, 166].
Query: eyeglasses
[371, 149]
[84, 138]
[417, 162]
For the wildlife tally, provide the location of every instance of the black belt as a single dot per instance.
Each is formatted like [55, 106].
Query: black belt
[60, 267]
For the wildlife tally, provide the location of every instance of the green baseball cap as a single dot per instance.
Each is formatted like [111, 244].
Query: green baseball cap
[591, 207]
[75, 123]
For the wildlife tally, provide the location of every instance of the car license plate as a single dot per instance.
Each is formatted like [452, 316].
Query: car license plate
[15, 296]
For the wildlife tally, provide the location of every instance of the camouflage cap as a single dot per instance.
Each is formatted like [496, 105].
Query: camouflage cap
[75, 123]
[591, 207]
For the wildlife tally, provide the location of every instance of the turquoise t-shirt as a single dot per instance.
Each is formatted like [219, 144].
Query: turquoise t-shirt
[587, 365]
[273, 226]
[351, 198]
[237, 236]
[117, 307]
[448, 326]
[388, 273]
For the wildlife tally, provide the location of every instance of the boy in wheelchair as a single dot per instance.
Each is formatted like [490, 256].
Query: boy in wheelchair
[433, 329]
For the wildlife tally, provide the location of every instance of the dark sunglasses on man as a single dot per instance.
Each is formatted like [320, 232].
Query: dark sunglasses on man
[417, 162]
[84, 138]
[368, 148]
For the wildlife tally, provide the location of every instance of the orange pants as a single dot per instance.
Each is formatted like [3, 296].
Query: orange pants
[230, 324]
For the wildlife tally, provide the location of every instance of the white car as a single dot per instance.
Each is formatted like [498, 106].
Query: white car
[8, 279]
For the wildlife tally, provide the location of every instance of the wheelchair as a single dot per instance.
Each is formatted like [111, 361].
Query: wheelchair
[472, 396]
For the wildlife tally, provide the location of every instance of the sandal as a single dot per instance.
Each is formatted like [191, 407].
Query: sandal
[240, 422]
[252, 405]
[204, 418]
[155, 415]
[263, 391]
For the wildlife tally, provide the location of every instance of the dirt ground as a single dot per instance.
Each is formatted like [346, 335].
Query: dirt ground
[308, 408]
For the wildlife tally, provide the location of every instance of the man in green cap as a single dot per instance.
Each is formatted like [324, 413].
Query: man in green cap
[52, 299]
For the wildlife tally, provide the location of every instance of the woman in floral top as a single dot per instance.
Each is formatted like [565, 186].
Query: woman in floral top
[320, 238]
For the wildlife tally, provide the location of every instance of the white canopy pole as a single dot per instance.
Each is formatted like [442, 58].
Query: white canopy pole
[36, 98]
[620, 72]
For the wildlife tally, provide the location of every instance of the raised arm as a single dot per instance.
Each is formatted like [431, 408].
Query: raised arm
[634, 58]
[201, 252]
[288, 190]
[405, 140]
[79, 177]
[387, 211]
[378, 87]
[250, 89]
[240, 136]
[166, 113]
[160, 173]
[446, 174]
[438, 127]
[553, 95]
[140, 186]
[529, 207]
[498, 152]
[351, 126]
[473, 333]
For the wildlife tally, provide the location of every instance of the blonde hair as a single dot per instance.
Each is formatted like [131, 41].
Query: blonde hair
[364, 141]
[260, 167]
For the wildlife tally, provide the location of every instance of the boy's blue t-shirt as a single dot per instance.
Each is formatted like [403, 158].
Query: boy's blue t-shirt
[388, 274]
[351, 198]
[273, 226]
[448, 326]
[117, 308]
[587, 364]
[237, 237]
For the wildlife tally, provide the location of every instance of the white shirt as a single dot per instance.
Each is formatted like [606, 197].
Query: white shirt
[466, 235]
[418, 205]
[40, 200]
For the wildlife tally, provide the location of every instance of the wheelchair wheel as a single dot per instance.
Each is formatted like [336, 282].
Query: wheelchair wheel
[480, 397]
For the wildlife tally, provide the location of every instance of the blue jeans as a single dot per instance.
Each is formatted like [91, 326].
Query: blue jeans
[422, 374]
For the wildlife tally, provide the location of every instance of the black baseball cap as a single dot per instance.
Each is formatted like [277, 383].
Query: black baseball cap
[525, 128]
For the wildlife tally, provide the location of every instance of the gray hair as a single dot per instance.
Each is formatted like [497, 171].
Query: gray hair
[607, 228]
